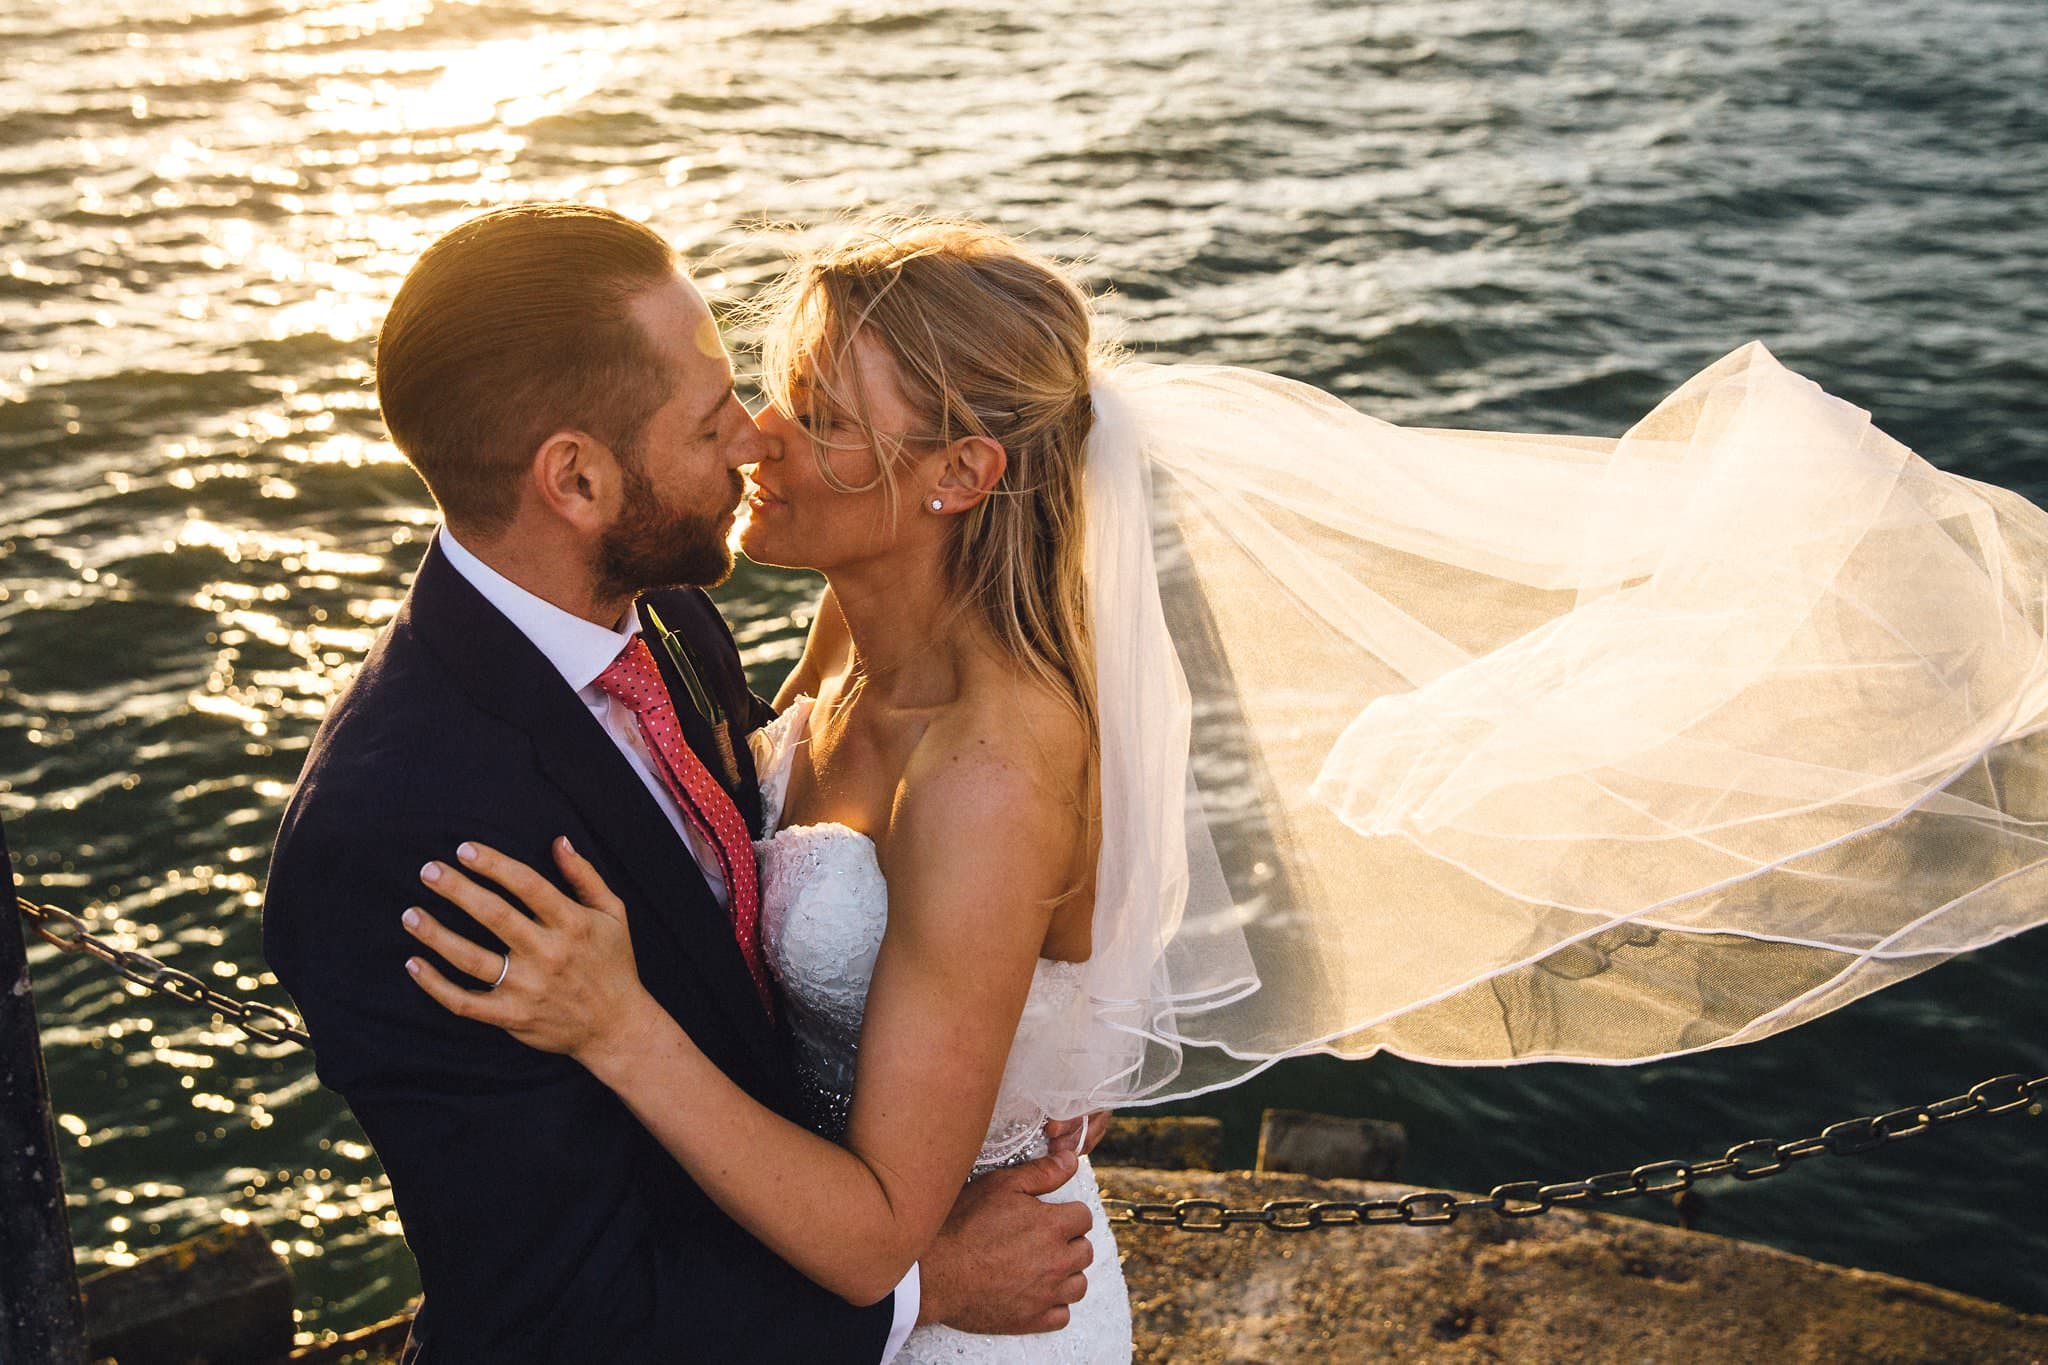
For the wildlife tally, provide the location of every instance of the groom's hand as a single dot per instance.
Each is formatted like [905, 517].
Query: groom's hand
[1081, 1135]
[1005, 1262]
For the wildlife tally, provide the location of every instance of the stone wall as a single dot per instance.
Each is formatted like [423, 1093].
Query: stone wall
[1563, 1287]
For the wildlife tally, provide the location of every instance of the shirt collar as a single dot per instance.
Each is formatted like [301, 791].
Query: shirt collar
[579, 649]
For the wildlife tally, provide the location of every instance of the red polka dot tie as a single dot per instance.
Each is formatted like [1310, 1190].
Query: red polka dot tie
[634, 679]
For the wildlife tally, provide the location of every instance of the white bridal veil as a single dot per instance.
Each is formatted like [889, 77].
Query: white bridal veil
[1483, 748]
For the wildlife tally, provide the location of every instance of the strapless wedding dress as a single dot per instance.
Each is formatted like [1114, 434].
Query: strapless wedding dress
[824, 906]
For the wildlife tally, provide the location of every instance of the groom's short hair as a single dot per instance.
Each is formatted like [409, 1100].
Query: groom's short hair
[512, 326]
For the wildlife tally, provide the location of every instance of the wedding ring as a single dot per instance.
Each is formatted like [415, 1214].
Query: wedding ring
[502, 971]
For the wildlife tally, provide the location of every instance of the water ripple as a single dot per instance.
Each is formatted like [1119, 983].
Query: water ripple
[1478, 212]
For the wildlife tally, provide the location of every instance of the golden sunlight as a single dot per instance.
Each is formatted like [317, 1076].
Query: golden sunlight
[507, 83]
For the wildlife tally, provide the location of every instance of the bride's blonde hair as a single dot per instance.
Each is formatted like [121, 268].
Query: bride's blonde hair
[989, 339]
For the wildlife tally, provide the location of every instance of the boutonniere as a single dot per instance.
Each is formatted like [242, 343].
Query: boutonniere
[701, 697]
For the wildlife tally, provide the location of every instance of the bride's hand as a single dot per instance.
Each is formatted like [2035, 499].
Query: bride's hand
[569, 983]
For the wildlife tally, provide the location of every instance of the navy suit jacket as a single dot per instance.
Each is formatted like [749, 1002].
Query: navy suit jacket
[548, 1225]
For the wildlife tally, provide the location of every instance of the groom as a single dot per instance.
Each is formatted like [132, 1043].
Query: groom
[562, 389]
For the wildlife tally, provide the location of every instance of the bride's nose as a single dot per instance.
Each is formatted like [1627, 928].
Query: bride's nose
[748, 444]
[776, 429]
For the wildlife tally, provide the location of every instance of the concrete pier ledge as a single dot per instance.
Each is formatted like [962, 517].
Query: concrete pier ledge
[1565, 1286]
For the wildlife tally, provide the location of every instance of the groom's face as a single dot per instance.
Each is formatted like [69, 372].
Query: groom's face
[680, 481]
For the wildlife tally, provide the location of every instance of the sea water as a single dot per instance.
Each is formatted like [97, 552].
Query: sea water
[1535, 216]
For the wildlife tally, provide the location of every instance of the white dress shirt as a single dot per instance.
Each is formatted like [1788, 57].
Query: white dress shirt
[580, 650]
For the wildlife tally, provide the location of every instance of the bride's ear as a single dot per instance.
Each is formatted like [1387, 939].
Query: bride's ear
[973, 466]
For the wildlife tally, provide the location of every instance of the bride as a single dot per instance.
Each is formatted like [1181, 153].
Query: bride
[1160, 722]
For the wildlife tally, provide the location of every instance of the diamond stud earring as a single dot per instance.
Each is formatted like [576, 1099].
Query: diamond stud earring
[937, 505]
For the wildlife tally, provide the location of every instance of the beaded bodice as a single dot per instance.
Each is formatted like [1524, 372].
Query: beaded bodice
[824, 907]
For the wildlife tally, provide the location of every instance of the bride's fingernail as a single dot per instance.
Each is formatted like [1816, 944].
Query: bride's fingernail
[411, 919]
[412, 964]
[431, 872]
[563, 840]
[466, 852]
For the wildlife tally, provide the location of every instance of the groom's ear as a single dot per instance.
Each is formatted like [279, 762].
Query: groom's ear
[974, 466]
[574, 475]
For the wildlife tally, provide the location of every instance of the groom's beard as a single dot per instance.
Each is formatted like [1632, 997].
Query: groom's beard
[655, 546]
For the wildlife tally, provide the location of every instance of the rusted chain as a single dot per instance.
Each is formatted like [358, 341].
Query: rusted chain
[1757, 1159]
[72, 934]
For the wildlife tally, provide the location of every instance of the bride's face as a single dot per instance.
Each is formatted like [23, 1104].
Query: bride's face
[794, 515]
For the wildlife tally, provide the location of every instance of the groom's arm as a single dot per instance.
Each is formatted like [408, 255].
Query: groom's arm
[544, 1225]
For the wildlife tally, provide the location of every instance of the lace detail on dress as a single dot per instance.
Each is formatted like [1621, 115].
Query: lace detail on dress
[821, 945]
[824, 907]
[774, 748]
[1016, 1127]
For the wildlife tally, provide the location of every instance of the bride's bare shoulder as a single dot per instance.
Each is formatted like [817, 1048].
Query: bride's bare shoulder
[1008, 739]
[991, 813]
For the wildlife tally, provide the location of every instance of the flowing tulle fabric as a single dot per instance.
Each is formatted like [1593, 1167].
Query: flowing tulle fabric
[1484, 748]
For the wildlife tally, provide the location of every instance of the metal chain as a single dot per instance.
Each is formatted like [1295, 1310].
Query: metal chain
[1752, 1160]
[70, 933]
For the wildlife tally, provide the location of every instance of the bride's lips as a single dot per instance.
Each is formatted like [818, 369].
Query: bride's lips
[760, 500]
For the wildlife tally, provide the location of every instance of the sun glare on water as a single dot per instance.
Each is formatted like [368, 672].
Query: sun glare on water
[504, 83]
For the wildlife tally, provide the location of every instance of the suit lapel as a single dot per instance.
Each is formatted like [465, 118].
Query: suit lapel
[681, 613]
[507, 676]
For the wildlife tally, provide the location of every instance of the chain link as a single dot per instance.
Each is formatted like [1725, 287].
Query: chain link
[1756, 1159]
[72, 934]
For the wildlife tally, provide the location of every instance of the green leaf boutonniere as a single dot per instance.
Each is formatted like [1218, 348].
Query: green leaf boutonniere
[685, 659]
[701, 697]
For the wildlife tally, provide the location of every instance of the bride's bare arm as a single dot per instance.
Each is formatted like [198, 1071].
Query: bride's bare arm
[980, 844]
